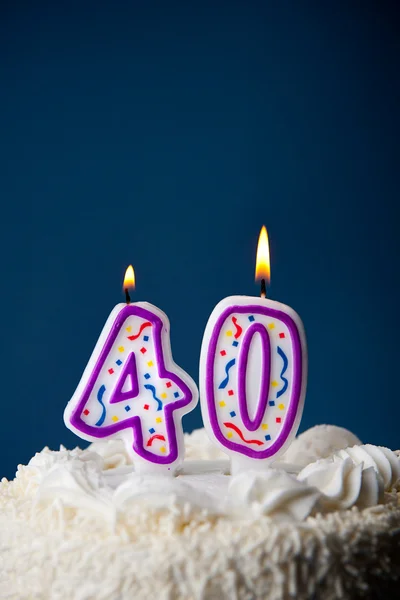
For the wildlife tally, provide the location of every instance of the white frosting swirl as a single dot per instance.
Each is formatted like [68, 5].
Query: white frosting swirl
[78, 481]
[107, 484]
[381, 459]
[74, 480]
[30, 476]
[343, 484]
[273, 493]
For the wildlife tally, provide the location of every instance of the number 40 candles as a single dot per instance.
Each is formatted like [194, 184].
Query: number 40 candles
[132, 389]
[253, 373]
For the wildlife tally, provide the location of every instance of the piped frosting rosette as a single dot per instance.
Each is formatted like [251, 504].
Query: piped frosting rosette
[383, 460]
[343, 484]
[356, 476]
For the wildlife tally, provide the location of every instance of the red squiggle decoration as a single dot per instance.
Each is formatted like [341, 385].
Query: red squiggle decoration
[156, 436]
[143, 326]
[240, 434]
[238, 328]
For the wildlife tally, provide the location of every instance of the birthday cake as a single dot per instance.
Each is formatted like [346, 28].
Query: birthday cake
[242, 510]
[323, 522]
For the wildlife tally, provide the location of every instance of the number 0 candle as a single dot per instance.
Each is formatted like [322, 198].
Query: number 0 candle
[253, 372]
[132, 389]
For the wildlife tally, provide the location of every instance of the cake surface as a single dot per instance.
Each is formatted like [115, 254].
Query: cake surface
[82, 525]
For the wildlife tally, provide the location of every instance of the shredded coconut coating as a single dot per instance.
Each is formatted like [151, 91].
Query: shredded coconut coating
[52, 550]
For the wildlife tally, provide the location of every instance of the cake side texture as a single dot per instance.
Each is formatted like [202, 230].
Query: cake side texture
[81, 525]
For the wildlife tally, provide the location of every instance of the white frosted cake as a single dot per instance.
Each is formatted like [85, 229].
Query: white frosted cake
[324, 522]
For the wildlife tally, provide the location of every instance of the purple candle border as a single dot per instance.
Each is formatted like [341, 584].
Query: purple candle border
[117, 395]
[296, 388]
[135, 421]
[254, 424]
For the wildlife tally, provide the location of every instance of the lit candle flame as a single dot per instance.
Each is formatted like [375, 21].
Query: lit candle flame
[129, 279]
[263, 269]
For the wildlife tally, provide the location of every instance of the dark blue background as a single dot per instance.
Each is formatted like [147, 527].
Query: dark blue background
[164, 134]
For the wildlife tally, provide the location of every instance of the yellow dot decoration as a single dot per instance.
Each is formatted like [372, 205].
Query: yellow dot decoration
[229, 434]
[163, 395]
[114, 418]
[129, 329]
[150, 363]
[121, 349]
[281, 406]
[163, 449]
[222, 404]
[274, 383]
[264, 426]
[229, 333]
[271, 326]
[158, 420]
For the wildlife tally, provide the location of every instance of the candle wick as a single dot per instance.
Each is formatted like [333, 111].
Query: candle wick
[127, 296]
[263, 289]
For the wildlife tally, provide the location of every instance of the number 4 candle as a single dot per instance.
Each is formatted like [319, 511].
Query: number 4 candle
[132, 389]
[253, 372]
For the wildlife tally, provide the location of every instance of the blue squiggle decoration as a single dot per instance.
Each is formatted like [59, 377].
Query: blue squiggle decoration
[153, 391]
[225, 382]
[285, 366]
[100, 395]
